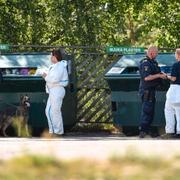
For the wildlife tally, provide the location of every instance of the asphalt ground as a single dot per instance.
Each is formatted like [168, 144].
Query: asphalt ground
[91, 146]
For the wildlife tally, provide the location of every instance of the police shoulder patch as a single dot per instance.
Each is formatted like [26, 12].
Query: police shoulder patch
[146, 68]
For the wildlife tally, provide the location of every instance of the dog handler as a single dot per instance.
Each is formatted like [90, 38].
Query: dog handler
[56, 79]
[172, 106]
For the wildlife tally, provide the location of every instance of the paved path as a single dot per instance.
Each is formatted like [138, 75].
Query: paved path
[97, 147]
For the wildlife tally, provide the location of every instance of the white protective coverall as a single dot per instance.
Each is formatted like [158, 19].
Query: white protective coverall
[172, 109]
[56, 80]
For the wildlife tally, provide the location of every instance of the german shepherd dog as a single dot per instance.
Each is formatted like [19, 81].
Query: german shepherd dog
[19, 113]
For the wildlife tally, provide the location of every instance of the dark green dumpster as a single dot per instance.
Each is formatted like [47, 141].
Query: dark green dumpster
[19, 79]
[123, 79]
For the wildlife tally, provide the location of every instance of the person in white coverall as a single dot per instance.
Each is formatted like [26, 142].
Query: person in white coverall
[172, 106]
[56, 79]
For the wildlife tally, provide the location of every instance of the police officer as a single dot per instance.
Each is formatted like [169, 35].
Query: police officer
[150, 79]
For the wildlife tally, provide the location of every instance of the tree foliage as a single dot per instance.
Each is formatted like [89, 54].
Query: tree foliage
[90, 22]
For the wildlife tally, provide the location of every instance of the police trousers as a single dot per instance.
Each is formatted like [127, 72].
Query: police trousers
[53, 110]
[147, 111]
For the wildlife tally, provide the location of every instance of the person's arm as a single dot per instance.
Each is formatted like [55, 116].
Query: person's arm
[146, 73]
[44, 75]
[155, 76]
[173, 75]
[172, 78]
[55, 75]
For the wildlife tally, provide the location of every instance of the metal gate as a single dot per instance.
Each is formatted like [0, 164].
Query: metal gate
[94, 102]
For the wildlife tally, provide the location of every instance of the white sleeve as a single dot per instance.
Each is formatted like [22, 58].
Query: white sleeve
[59, 74]
[64, 80]
[56, 74]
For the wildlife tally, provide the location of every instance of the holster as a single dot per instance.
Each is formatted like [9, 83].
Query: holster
[149, 95]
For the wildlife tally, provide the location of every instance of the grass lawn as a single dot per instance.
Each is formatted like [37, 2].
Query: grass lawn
[128, 167]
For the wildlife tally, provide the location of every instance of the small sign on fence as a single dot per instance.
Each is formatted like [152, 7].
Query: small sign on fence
[124, 50]
[4, 47]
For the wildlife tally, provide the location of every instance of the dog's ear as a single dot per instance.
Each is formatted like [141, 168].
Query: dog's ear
[21, 97]
[28, 98]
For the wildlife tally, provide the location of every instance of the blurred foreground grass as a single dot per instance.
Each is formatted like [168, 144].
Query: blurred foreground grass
[128, 167]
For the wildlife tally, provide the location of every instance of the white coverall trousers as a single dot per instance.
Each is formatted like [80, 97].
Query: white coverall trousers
[172, 110]
[53, 109]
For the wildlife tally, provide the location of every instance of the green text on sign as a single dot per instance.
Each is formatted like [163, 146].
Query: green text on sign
[4, 47]
[124, 50]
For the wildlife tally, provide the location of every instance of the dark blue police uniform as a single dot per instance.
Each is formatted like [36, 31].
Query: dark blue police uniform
[176, 73]
[147, 92]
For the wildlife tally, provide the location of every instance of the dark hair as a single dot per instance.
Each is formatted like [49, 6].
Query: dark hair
[57, 53]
